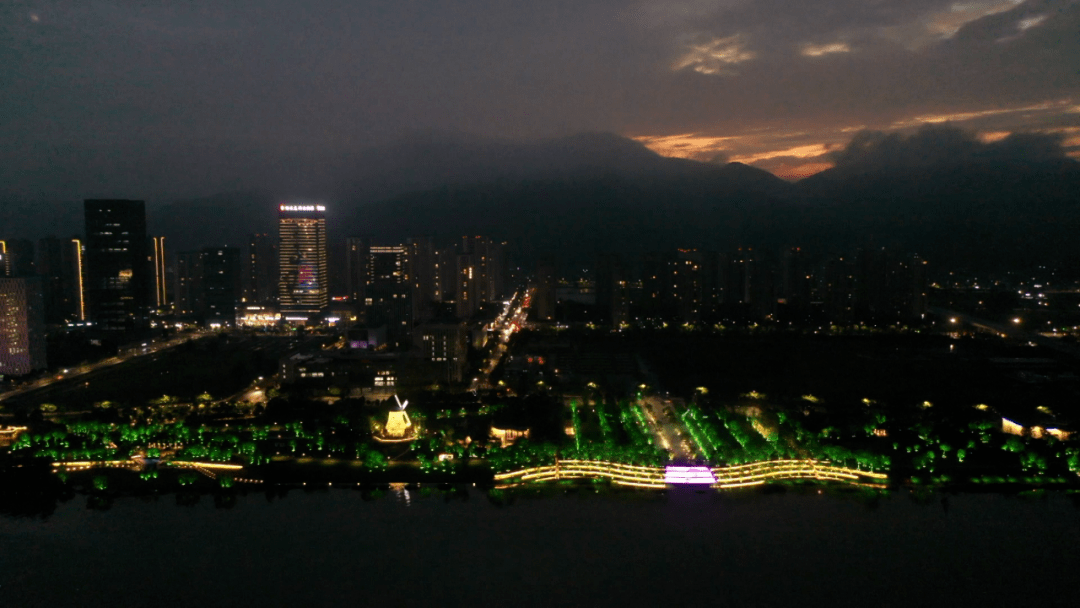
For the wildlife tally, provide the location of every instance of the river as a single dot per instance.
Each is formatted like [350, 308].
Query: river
[407, 548]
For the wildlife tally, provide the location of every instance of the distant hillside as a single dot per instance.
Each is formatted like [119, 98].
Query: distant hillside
[974, 215]
[446, 187]
[938, 192]
[572, 219]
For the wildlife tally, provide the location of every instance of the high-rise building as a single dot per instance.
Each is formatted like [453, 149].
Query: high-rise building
[58, 265]
[467, 290]
[423, 274]
[17, 258]
[302, 285]
[481, 274]
[220, 284]
[445, 277]
[612, 290]
[189, 278]
[159, 295]
[544, 301]
[261, 270]
[116, 271]
[388, 293]
[356, 267]
[694, 283]
[22, 326]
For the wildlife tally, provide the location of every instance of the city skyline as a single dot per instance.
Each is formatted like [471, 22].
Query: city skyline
[613, 298]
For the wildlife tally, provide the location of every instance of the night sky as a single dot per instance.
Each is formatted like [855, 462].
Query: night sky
[165, 98]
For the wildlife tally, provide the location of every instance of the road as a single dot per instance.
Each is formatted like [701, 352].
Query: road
[509, 322]
[1015, 331]
[148, 348]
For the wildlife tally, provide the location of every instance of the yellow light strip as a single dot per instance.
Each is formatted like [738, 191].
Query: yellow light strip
[205, 465]
[82, 297]
[750, 474]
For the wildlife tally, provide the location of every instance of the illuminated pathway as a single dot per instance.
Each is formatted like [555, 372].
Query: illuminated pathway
[752, 474]
[667, 428]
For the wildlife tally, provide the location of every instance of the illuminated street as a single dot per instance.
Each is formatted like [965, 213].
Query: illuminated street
[510, 321]
[86, 372]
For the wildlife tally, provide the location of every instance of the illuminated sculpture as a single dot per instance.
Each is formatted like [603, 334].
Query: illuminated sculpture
[398, 426]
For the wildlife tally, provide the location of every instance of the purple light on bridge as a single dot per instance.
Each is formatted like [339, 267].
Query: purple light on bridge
[684, 475]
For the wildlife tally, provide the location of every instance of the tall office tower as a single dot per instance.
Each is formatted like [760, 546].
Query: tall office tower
[261, 270]
[189, 283]
[58, 264]
[22, 326]
[423, 274]
[159, 294]
[388, 293]
[17, 258]
[116, 273]
[302, 285]
[544, 299]
[612, 290]
[220, 284]
[356, 267]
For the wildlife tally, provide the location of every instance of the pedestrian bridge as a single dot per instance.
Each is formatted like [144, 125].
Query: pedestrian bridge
[737, 476]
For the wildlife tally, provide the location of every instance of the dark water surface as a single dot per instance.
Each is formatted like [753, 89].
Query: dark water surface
[751, 549]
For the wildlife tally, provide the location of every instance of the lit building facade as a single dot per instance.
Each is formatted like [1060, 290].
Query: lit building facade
[22, 326]
[303, 288]
[116, 276]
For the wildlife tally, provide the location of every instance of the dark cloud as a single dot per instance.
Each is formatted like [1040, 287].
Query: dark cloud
[720, 158]
[944, 145]
[159, 98]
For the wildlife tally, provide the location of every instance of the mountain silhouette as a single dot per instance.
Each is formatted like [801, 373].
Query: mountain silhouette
[938, 192]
